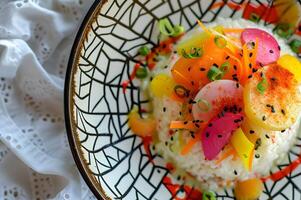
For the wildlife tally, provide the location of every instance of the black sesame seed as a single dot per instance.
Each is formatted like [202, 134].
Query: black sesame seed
[267, 136]
[282, 111]
[219, 136]
[240, 54]
[198, 126]
[254, 70]
[273, 79]
[235, 67]
[261, 74]
[273, 109]
[282, 131]
[250, 65]
[207, 134]
[235, 172]
[251, 131]
[210, 125]
[237, 120]
[180, 113]
[271, 51]
[190, 110]
[171, 138]
[164, 109]
[279, 48]
[179, 178]
[250, 76]
[250, 55]
[257, 156]
[237, 85]
[166, 143]
[264, 118]
[189, 68]
[166, 66]
[175, 52]
[192, 82]
[227, 57]
[215, 65]
[268, 105]
[186, 122]
[202, 69]
[235, 79]
[261, 65]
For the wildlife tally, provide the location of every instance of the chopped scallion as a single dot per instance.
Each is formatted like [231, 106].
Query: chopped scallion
[209, 195]
[262, 86]
[194, 53]
[144, 50]
[220, 42]
[203, 105]
[215, 74]
[141, 73]
[225, 67]
[167, 29]
[181, 91]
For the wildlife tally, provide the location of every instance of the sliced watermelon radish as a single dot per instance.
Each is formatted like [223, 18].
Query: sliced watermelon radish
[219, 95]
[268, 47]
[218, 134]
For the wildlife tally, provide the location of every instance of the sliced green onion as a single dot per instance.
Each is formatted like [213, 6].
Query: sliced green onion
[284, 30]
[194, 53]
[262, 86]
[225, 67]
[178, 30]
[254, 17]
[220, 42]
[295, 45]
[181, 91]
[209, 195]
[144, 50]
[141, 73]
[167, 29]
[204, 105]
[214, 74]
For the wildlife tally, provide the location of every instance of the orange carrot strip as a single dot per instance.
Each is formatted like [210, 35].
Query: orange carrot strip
[187, 148]
[204, 28]
[230, 152]
[240, 67]
[233, 30]
[189, 125]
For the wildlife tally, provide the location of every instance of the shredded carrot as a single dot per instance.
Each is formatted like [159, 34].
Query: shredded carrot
[187, 148]
[182, 77]
[189, 125]
[232, 56]
[230, 152]
[233, 30]
[204, 28]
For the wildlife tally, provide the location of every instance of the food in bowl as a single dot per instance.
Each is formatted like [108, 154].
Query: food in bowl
[224, 104]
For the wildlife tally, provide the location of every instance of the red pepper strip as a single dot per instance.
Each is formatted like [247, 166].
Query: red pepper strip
[146, 143]
[132, 76]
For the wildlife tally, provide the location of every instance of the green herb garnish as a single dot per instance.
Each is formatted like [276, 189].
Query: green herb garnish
[194, 53]
[215, 74]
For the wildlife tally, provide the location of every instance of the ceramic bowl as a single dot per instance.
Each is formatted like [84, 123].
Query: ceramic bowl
[112, 160]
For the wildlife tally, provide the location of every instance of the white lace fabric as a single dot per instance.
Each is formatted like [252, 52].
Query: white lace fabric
[35, 42]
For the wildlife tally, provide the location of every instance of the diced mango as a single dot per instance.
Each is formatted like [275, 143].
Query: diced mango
[248, 190]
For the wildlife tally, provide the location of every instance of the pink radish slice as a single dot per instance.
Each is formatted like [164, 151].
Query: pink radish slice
[219, 95]
[218, 134]
[268, 47]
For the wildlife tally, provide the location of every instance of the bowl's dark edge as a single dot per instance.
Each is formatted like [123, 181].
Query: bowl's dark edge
[68, 79]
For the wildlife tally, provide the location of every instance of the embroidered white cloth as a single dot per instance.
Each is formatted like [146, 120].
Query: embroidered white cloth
[35, 41]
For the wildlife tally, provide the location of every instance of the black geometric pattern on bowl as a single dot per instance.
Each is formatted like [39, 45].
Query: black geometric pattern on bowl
[111, 159]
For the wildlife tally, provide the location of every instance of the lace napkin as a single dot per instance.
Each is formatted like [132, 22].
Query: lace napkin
[35, 41]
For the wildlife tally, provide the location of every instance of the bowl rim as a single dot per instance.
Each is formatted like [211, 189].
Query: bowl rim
[74, 143]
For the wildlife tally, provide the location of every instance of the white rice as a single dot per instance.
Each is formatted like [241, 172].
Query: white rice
[210, 175]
